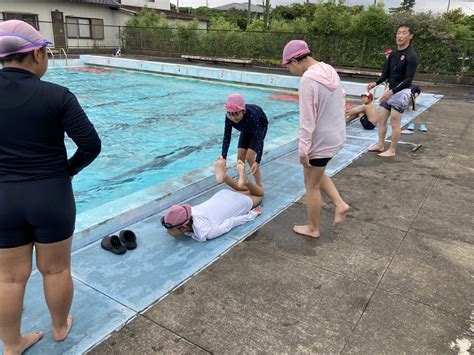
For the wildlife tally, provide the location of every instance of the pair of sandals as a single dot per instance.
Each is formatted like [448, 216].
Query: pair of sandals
[126, 240]
[422, 127]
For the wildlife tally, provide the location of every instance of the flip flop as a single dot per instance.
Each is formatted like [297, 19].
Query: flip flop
[411, 127]
[113, 244]
[128, 238]
[423, 128]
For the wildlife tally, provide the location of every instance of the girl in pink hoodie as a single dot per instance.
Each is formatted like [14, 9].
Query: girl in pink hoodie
[322, 131]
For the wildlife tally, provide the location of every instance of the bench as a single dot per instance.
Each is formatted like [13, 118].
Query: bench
[217, 59]
[350, 72]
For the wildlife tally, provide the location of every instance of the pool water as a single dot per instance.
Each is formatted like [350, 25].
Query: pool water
[155, 128]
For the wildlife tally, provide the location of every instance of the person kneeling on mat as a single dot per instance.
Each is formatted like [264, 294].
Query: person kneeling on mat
[225, 210]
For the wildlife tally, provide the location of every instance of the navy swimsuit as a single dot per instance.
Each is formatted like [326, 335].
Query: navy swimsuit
[253, 128]
[36, 199]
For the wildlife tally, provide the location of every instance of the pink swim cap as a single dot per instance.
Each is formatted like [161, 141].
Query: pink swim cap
[294, 49]
[177, 215]
[235, 103]
[19, 37]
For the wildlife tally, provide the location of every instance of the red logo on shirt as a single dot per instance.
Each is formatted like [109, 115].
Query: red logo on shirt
[402, 57]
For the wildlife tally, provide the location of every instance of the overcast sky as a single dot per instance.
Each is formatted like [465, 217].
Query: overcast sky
[421, 5]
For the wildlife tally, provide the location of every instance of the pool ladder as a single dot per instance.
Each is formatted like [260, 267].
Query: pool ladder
[61, 52]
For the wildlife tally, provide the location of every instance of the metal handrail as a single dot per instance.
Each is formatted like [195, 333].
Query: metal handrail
[50, 52]
[65, 54]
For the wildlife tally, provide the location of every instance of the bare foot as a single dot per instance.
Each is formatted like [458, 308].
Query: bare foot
[306, 230]
[340, 214]
[243, 179]
[387, 153]
[378, 148]
[62, 333]
[27, 341]
[220, 166]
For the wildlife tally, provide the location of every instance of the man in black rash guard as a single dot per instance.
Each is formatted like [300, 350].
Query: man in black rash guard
[37, 207]
[252, 122]
[399, 70]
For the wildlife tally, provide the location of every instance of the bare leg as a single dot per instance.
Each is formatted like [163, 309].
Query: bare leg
[54, 263]
[220, 166]
[382, 130]
[244, 181]
[15, 269]
[251, 157]
[241, 154]
[341, 207]
[312, 179]
[396, 118]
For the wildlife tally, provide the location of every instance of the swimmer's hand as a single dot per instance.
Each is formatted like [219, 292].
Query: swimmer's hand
[257, 210]
[386, 95]
[254, 168]
[304, 160]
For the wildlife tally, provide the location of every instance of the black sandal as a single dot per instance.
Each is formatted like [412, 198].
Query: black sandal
[113, 244]
[128, 238]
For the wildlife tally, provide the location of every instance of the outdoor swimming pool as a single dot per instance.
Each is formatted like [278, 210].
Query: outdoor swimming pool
[155, 128]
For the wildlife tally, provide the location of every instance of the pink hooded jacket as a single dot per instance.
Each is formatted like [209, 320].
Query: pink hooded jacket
[322, 131]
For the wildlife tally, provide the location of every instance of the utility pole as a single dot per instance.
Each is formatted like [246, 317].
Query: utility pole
[248, 13]
[449, 3]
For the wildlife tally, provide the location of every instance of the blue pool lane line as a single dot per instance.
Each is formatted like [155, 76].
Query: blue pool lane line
[110, 290]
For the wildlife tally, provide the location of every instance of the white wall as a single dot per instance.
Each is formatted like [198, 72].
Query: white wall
[156, 4]
[44, 8]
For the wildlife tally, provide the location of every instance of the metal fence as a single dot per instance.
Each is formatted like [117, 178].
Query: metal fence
[437, 56]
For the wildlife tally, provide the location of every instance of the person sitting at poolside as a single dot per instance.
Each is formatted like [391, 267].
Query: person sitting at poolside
[225, 210]
[366, 112]
[252, 122]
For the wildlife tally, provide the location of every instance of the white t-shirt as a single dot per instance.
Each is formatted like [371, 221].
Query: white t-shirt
[218, 215]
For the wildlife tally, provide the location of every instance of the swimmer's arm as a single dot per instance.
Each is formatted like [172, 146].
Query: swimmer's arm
[308, 114]
[227, 138]
[385, 71]
[356, 110]
[78, 127]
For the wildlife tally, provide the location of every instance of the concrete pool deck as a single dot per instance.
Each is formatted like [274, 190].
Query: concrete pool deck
[396, 277]
[118, 289]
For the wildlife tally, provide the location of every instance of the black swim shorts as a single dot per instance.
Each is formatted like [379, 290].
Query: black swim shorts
[364, 121]
[41, 211]
[319, 162]
[249, 141]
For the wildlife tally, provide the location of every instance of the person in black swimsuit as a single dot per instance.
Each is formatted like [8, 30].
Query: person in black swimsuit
[252, 122]
[37, 207]
[399, 70]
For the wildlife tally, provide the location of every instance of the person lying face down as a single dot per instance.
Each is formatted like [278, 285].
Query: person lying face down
[225, 210]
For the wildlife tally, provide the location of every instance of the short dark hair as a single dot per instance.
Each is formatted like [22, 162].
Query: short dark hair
[18, 57]
[407, 25]
[303, 56]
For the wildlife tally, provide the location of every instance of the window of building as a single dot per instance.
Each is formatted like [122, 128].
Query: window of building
[78, 27]
[32, 19]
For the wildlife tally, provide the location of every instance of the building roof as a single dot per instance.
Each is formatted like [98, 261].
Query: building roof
[109, 3]
[241, 6]
[167, 13]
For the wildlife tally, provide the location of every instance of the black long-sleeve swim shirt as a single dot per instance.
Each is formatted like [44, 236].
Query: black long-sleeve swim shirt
[399, 69]
[34, 115]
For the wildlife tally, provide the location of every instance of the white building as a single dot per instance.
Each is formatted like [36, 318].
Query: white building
[254, 9]
[151, 4]
[83, 23]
